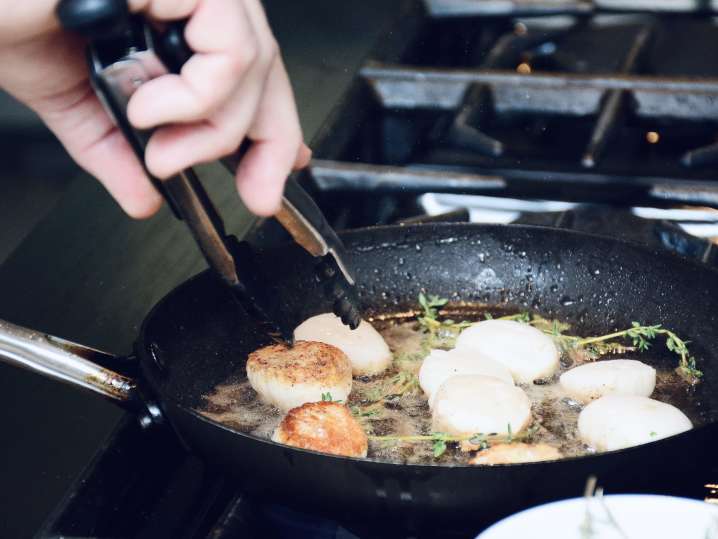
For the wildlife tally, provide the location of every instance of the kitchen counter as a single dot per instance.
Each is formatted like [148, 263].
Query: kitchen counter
[88, 273]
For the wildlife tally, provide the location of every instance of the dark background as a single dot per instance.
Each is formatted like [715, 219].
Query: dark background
[72, 264]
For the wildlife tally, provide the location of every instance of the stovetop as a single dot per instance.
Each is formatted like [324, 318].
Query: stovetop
[459, 102]
[592, 106]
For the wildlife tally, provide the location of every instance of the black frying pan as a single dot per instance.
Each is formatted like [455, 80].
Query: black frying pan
[195, 338]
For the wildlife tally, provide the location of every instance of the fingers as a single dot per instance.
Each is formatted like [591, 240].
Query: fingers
[235, 86]
[304, 155]
[164, 9]
[176, 147]
[99, 147]
[113, 162]
[277, 147]
[227, 50]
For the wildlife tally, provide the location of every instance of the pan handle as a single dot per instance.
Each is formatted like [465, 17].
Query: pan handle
[65, 361]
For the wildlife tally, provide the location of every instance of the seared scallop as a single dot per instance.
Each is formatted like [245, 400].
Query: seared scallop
[516, 453]
[441, 365]
[327, 427]
[527, 352]
[610, 377]
[619, 421]
[289, 377]
[470, 404]
[364, 346]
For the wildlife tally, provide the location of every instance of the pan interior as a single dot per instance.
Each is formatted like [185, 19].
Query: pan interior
[197, 338]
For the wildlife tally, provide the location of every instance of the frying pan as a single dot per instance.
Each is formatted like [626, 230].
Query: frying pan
[197, 337]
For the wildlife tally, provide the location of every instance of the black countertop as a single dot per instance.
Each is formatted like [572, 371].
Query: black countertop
[88, 273]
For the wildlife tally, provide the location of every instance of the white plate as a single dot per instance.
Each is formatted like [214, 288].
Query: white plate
[638, 517]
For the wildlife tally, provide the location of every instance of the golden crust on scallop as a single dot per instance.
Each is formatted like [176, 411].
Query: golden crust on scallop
[306, 361]
[516, 453]
[288, 377]
[328, 427]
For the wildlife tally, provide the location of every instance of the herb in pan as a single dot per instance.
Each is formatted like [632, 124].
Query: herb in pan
[402, 383]
[639, 336]
[439, 333]
[439, 440]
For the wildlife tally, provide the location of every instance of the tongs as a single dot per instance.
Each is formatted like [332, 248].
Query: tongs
[124, 51]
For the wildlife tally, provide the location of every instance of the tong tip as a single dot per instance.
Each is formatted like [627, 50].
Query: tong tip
[345, 301]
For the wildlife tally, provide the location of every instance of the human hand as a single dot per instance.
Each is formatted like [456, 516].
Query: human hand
[235, 86]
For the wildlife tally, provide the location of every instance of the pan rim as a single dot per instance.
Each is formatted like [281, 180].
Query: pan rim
[351, 235]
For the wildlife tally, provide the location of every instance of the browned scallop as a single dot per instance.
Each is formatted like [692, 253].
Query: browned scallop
[516, 453]
[289, 377]
[328, 427]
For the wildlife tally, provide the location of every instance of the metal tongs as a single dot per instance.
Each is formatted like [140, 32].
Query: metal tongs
[125, 51]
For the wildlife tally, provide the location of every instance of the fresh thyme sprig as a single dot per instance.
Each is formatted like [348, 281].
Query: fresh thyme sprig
[640, 336]
[439, 440]
[327, 397]
[439, 333]
[402, 383]
[478, 440]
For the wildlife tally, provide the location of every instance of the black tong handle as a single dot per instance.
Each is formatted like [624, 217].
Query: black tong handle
[107, 23]
[174, 52]
[120, 51]
[120, 45]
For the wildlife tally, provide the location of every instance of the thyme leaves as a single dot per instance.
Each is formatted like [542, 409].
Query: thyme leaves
[440, 440]
[640, 336]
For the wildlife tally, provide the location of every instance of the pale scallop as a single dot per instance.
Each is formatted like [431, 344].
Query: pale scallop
[471, 404]
[610, 377]
[364, 346]
[441, 365]
[528, 353]
[620, 421]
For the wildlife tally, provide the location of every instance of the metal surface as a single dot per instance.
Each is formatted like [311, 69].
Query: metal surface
[344, 177]
[456, 8]
[210, 240]
[409, 87]
[613, 103]
[62, 360]
[341, 176]
[304, 221]
[488, 8]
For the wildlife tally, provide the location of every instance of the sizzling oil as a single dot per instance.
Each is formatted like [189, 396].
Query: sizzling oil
[555, 415]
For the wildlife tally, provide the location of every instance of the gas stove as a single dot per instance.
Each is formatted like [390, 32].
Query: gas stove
[558, 113]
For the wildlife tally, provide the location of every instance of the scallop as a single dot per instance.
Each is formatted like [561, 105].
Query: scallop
[289, 377]
[368, 352]
[471, 404]
[620, 421]
[327, 427]
[527, 353]
[441, 365]
[516, 453]
[610, 377]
